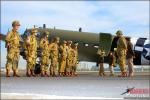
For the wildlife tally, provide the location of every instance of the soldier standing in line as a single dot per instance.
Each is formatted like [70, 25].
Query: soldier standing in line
[13, 51]
[54, 53]
[44, 45]
[75, 59]
[63, 57]
[121, 53]
[69, 59]
[31, 50]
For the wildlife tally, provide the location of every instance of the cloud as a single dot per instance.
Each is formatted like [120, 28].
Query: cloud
[96, 16]
[93, 16]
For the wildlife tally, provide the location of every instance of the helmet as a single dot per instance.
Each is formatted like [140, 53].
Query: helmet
[56, 39]
[46, 33]
[64, 42]
[15, 23]
[33, 30]
[119, 32]
[70, 42]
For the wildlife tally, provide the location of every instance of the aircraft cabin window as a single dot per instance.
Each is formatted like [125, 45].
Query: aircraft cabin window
[95, 46]
[86, 44]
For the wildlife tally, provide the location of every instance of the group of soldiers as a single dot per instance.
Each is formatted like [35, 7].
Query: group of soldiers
[122, 54]
[63, 57]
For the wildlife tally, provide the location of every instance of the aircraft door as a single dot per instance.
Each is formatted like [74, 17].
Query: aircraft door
[105, 41]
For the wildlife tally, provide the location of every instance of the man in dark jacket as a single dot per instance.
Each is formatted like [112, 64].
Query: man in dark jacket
[129, 57]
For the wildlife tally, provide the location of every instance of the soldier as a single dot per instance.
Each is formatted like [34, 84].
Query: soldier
[75, 59]
[44, 45]
[101, 54]
[31, 50]
[13, 51]
[69, 59]
[121, 53]
[112, 62]
[63, 57]
[54, 53]
[129, 57]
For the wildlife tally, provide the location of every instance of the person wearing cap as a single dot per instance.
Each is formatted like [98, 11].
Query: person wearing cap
[121, 53]
[75, 59]
[69, 59]
[63, 57]
[54, 53]
[44, 46]
[13, 51]
[31, 49]
[129, 57]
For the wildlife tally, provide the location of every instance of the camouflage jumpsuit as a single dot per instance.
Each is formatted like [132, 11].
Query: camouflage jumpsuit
[69, 60]
[44, 45]
[75, 60]
[54, 58]
[31, 53]
[13, 51]
[121, 53]
[63, 57]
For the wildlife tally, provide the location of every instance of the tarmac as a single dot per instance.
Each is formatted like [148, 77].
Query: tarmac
[87, 85]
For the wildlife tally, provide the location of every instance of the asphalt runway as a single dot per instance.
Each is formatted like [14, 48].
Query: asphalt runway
[85, 86]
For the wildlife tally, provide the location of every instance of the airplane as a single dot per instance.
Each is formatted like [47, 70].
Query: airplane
[89, 43]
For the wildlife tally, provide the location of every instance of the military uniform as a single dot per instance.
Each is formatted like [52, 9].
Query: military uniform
[54, 53]
[101, 54]
[13, 51]
[63, 57]
[75, 60]
[121, 53]
[44, 45]
[31, 48]
[69, 59]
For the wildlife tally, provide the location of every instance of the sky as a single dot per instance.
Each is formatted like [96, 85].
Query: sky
[132, 17]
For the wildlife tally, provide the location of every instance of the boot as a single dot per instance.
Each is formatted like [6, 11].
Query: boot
[112, 74]
[46, 74]
[130, 75]
[7, 73]
[63, 74]
[104, 74]
[54, 75]
[101, 74]
[50, 74]
[72, 74]
[32, 73]
[123, 74]
[75, 74]
[28, 74]
[15, 74]
[60, 74]
[67, 74]
[42, 74]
